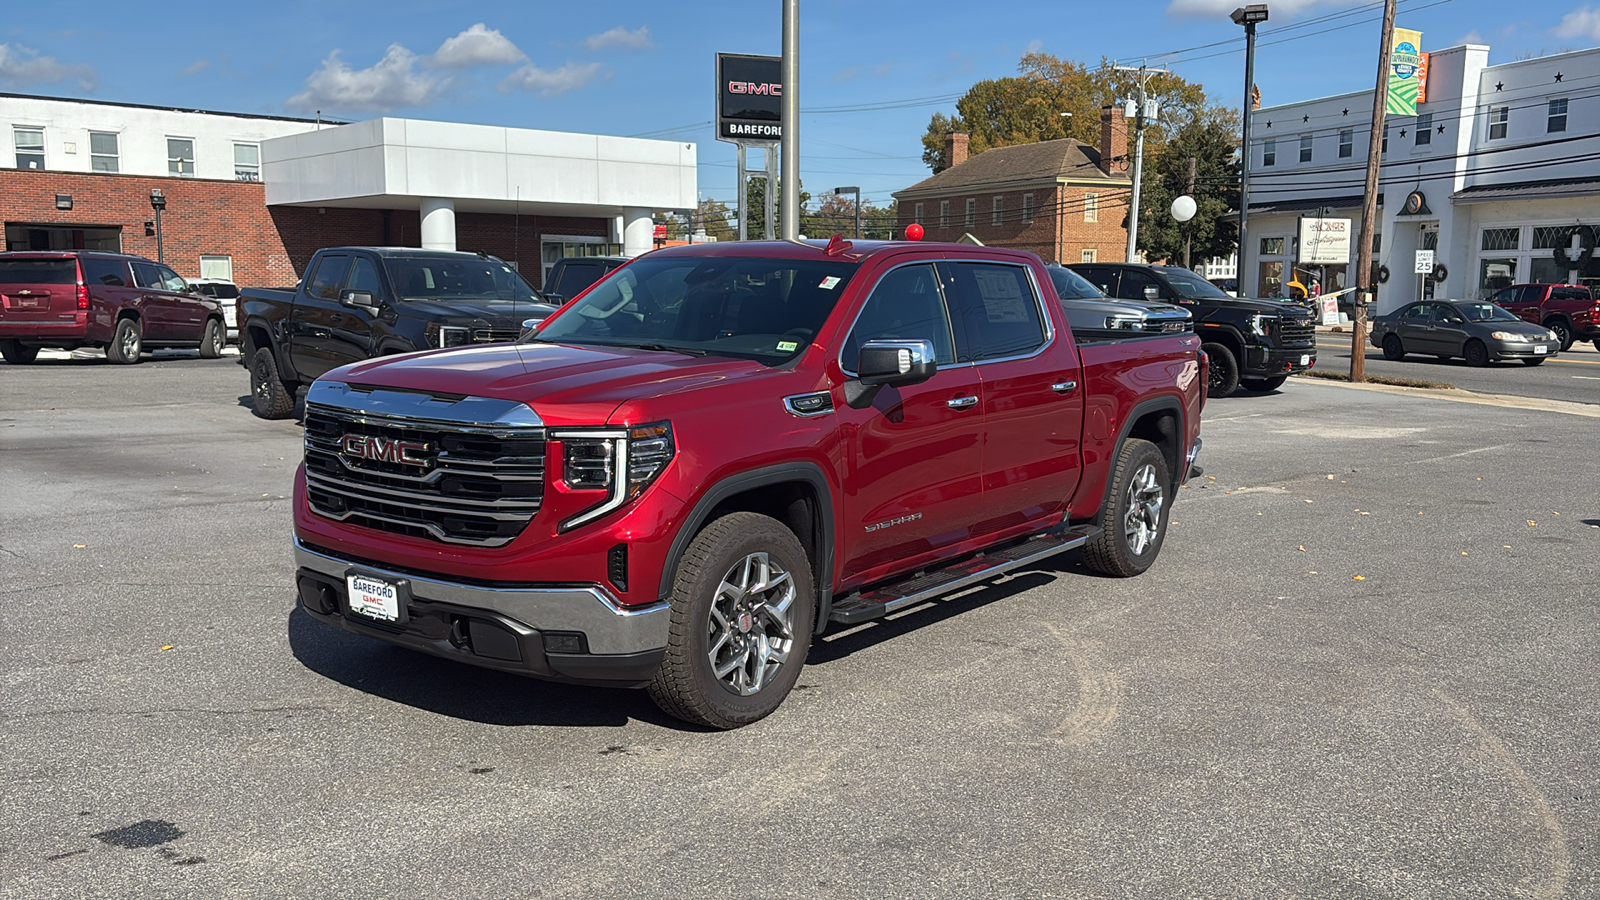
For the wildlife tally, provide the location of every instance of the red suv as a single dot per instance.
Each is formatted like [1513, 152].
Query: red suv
[1568, 310]
[80, 298]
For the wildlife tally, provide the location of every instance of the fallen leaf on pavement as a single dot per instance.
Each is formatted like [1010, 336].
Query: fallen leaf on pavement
[1302, 548]
[79, 546]
[1532, 524]
[1359, 578]
[166, 647]
[1311, 501]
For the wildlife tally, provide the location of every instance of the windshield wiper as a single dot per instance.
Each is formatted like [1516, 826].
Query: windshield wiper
[686, 351]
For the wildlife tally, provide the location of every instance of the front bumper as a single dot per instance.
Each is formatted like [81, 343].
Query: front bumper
[573, 633]
[1266, 363]
[1534, 350]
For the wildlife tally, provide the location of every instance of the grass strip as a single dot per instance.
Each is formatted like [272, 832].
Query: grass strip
[1382, 379]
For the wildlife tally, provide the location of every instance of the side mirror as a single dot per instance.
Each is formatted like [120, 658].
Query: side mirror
[897, 363]
[529, 327]
[1151, 292]
[358, 299]
[554, 299]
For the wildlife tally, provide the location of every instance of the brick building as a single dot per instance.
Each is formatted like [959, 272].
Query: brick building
[249, 198]
[1063, 200]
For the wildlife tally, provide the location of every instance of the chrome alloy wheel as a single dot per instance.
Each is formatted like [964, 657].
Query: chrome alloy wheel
[130, 343]
[1142, 521]
[750, 631]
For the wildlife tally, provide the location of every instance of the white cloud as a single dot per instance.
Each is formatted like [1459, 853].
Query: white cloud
[1034, 46]
[199, 65]
[1471, 37]
[1281, 9]
[549, 82]
[620, 37]
[23, 66]
[847, 74]
[391, 83]
[479, 45]
[1583, 22]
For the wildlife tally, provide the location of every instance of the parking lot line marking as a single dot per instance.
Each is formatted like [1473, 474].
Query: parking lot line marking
[1458, 455]
[1587, 377]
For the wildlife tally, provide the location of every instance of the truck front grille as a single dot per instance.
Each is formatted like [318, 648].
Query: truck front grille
[495, 335]
[1298, 332]
[443, 481]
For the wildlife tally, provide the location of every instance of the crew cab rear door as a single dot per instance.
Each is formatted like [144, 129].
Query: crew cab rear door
[1032, 396]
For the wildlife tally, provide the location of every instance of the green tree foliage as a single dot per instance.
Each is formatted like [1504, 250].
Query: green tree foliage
[837, 214]
[1208, 139]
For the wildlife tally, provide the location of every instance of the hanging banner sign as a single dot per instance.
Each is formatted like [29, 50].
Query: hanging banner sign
[1405, 66]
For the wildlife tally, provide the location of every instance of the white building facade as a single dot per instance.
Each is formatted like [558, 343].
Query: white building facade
[1498, 174]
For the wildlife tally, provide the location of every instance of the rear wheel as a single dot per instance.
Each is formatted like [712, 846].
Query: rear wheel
[1477, 353]
[1533, 361]
[1563, 332]
[1392, 348]
[1262, 385]
[212, 339]
[16, 354]
[743, 609]
[1134, 522]
[1224, 378]
[126, 342]
[272, 398]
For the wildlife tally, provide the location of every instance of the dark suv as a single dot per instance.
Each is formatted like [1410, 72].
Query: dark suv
[572, 275]
[1254, 344]
[1571, 311]
[80, 298]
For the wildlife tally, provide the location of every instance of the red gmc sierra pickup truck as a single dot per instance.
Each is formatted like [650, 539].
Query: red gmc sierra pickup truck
[718, 450]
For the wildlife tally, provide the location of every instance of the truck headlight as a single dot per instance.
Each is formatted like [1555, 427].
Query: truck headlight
[620, 461]
[1260, 323]
[1119, 322]
[442, 336]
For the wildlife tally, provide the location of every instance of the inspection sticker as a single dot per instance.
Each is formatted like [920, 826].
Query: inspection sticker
[829, 283]
[786, 346]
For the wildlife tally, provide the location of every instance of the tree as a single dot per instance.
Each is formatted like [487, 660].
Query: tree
[717, 220]
[755, 215]
[837, 214]
[1210, 139]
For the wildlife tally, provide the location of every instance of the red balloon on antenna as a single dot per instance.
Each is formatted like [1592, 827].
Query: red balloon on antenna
[913, 232]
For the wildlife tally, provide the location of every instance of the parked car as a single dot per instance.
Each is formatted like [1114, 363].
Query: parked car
[1572, 312]
[1092, 313]
[1253, 344]
[359, 302]
[1229, 286]
[81, 298]
[572, 275]
[721, 450]
[1476, 330]
[226, 293]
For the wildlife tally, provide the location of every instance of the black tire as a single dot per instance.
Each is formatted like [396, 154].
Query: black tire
[17, 354]
[127, 342]
[1534, 360]
[1224, 371]
[1563, 333]
[687, 685]
[272, 398]
[1477, 353]
[1129, 540]
[1392, 348]
[1262, 385]
[212, 339]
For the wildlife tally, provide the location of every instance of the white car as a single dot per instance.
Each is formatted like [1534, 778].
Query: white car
[225, 293]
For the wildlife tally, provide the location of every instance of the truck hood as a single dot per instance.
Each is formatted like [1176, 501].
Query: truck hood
[565, 383]
[489, 309]
[1271, 307]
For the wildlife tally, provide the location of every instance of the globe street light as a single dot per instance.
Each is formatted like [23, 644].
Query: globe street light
[1183, 209]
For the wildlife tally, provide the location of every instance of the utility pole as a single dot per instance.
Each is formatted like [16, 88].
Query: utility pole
[1248, 16]
[1188, 180]
[1369, 203]
[1144, 106]
[789, 200]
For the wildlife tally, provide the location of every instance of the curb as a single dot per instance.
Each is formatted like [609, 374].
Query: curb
[1457, 395]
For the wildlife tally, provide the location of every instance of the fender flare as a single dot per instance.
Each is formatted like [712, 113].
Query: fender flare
[807, 472]
[1155, 404]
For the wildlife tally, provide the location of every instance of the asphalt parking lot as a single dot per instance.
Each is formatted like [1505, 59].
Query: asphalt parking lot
[1363, 667]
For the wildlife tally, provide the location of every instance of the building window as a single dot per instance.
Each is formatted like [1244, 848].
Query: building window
[1558, 117]
[1305, 148]
[1269, 153]
[1027, 209]
[1499, 116]
[180, 157]
[1501, 238]
[247, 162]
[30, 147]
[999, 210]
[216, 268]
[1088, 256]
[103, 155]
[916, 214]
[972, 212]
[944, 213]
[1424, 129]
[1091, 207]
[1347, 142]
[1272, 246]
[1385, 147]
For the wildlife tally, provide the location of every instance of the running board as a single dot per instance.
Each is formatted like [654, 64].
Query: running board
[859, 608]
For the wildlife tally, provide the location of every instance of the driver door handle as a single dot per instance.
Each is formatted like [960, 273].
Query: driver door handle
[962, 402]
[1064, 387]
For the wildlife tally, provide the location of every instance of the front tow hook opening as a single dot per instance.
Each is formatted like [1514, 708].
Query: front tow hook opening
[460, 633]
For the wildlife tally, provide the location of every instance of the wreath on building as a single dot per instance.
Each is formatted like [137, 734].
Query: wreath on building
[1563, 249]
[1440, 273]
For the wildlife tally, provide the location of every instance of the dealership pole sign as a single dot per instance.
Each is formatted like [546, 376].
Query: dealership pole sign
[1405, 73]
[749, 98]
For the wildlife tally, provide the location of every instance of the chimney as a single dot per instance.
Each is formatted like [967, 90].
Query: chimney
[1113, 141]
[955, 147]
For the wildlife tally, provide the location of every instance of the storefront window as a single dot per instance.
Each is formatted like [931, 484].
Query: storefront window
[1494, 274]
[1270, 282]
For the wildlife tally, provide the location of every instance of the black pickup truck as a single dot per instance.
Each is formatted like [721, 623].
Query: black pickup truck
[355, 303]
[1252, 344]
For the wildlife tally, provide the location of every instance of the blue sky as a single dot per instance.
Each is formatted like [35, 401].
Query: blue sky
[645, 69]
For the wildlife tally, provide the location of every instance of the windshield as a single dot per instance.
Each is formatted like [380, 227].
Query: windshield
[1072, 286]
[1485, 312]
[440, 278]
[761, 309]
[1189, 284]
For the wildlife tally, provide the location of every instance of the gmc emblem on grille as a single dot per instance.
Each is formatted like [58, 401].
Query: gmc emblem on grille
[377, 449]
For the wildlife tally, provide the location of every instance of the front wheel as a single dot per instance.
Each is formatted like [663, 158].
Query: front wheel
[1477, 353]
[1134, 522]
[126, 342]
[1534, 361]
[212, 339]
[272, 398]
[18, 354]
[743, 608]
[1392, 348]
[1563, 333]
[1224, 379]
[1262, 385]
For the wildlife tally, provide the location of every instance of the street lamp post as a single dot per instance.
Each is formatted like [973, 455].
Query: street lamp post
[158, 202]
[857, 192]
[1249, 17]
[1183, 209]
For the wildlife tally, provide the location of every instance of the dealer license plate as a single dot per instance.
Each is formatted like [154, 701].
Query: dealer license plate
[373, 598]
[1540, 349]
[1305, 359]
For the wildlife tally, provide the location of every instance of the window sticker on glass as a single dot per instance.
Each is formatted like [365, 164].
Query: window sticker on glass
[786, 346]
[1002, 295]
[830, 282]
